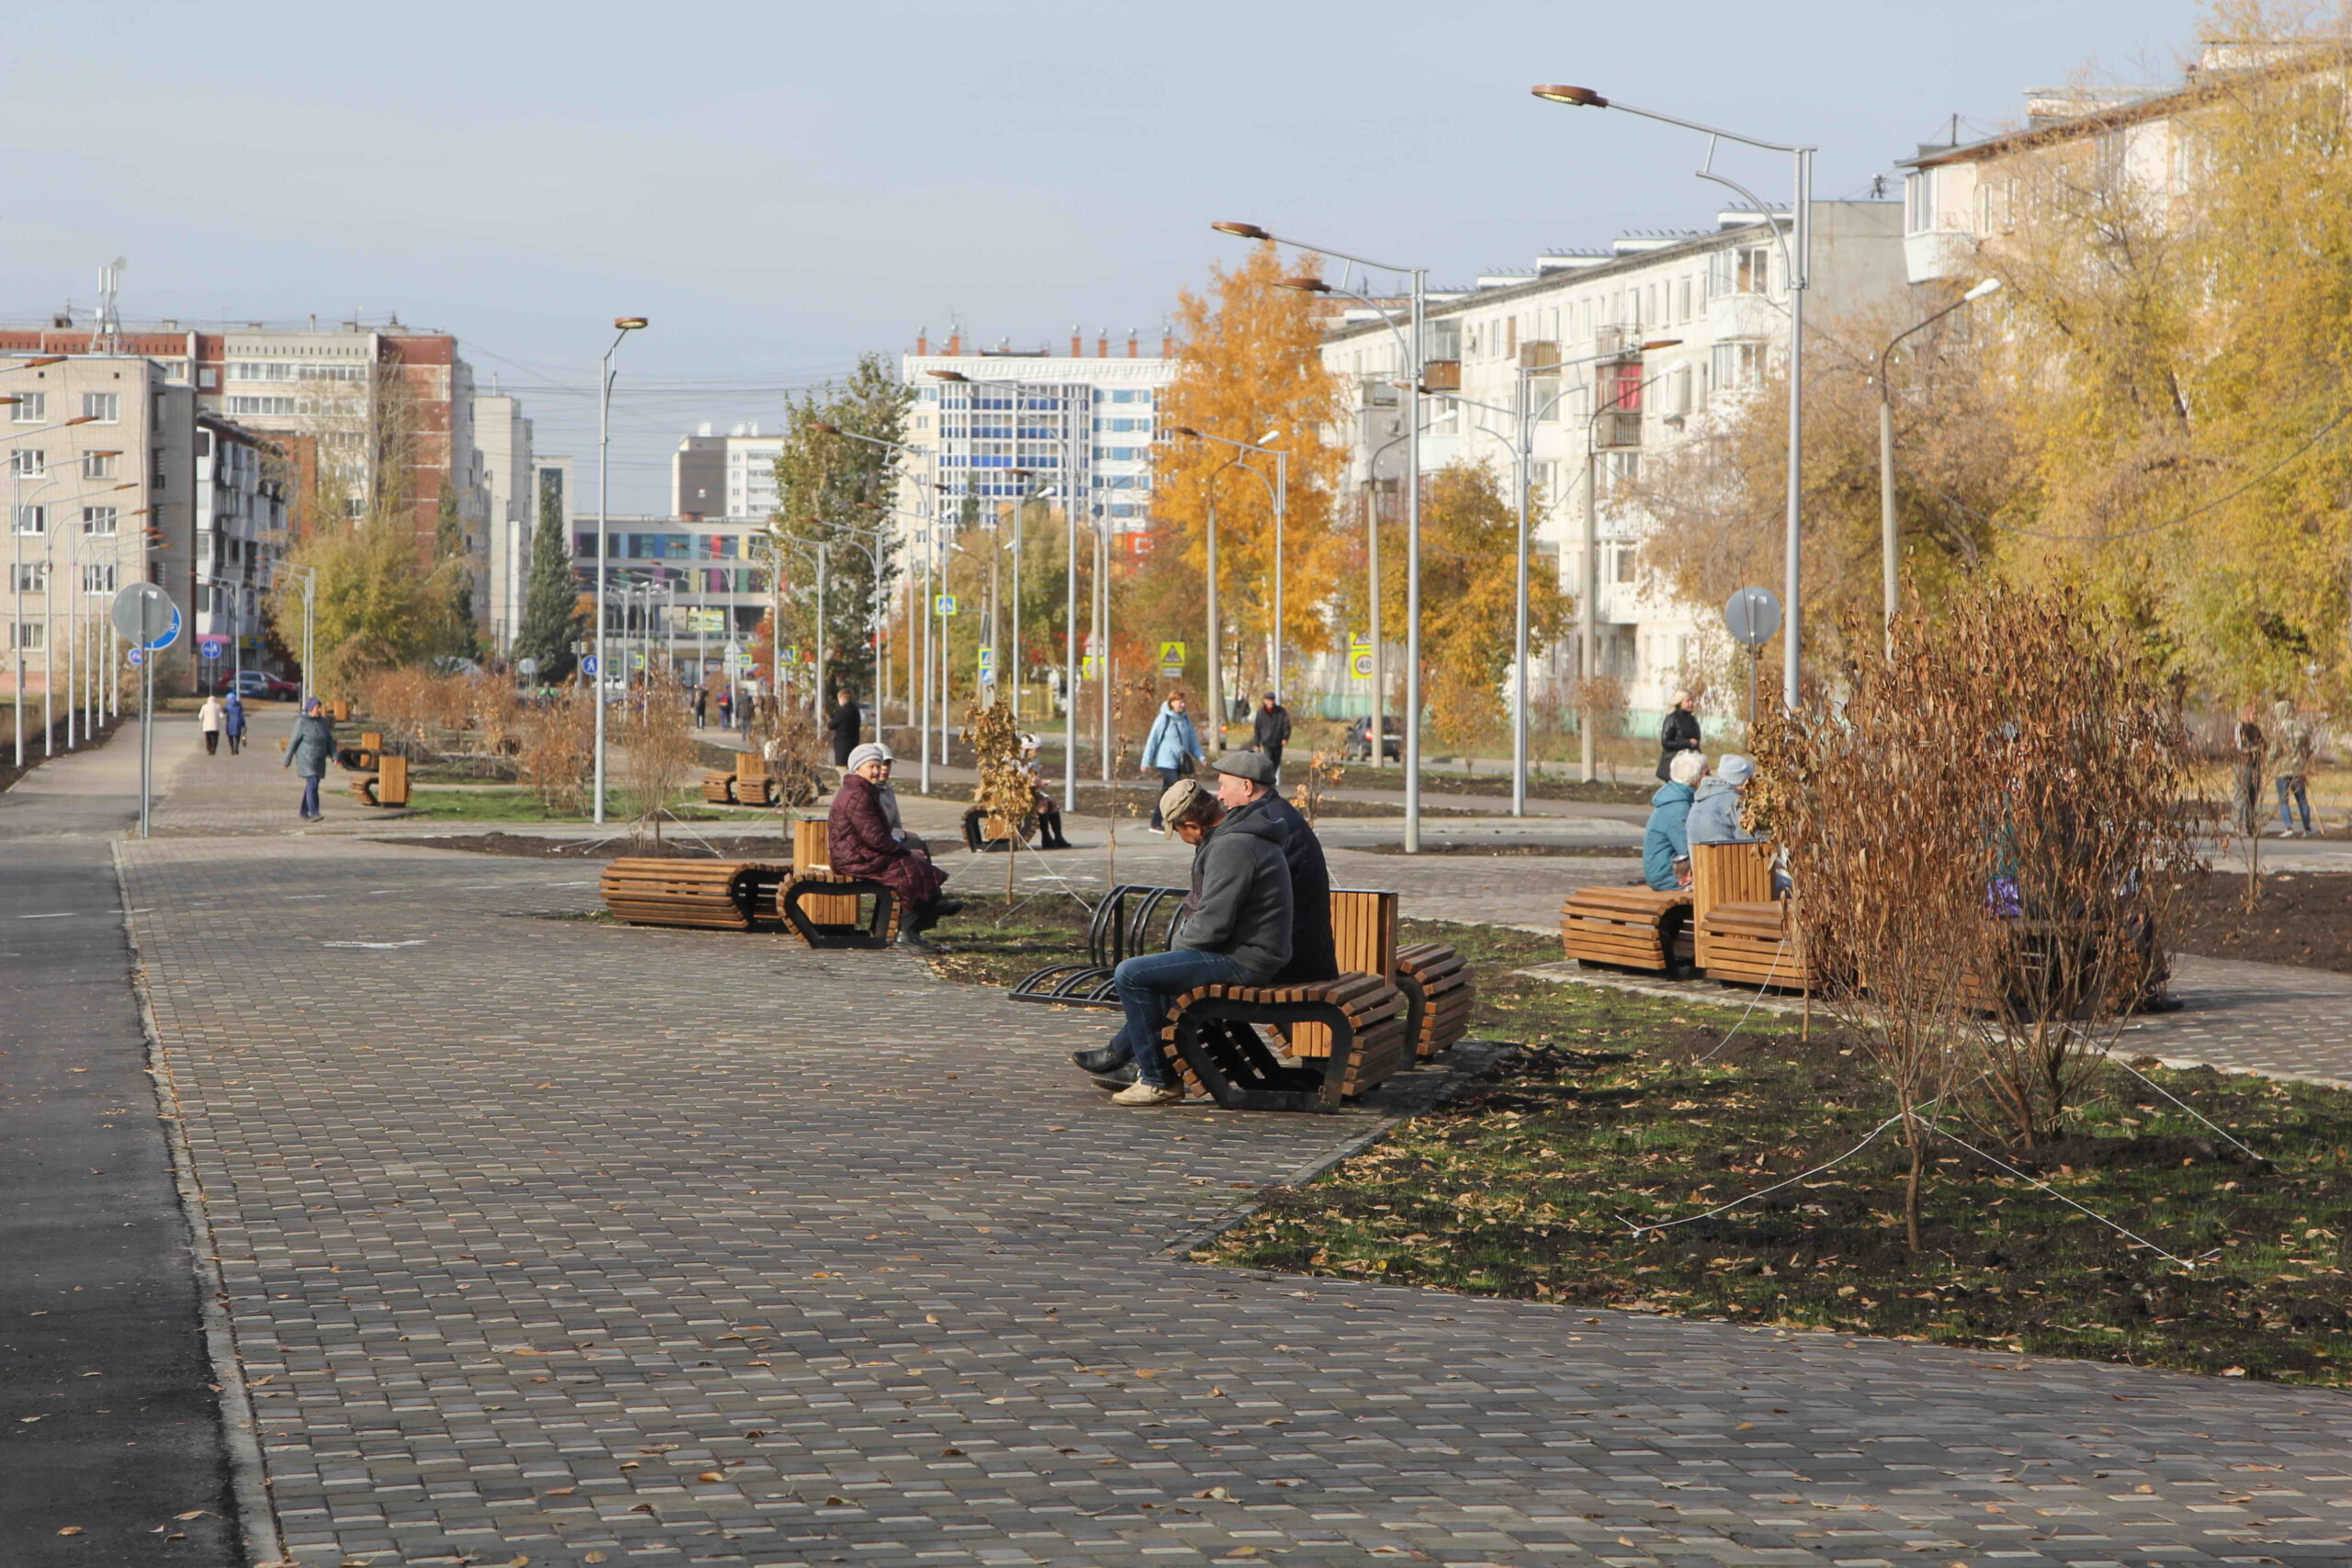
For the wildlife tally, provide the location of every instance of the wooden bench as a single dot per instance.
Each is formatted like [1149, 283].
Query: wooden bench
[388, 786]
[715, 895]
[1213, 1045]
[748, 783]
[823, 909]
[1744, 935]
[1628, 928]
[1436, 982]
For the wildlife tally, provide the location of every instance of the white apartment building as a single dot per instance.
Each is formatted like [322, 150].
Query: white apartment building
[242, 482]
[1057, 425]
[1604, 406]
[102, 490]
[502, 436]
[725, 476]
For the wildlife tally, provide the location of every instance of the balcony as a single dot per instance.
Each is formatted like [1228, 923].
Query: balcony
[1442, 375]
[1617, 428]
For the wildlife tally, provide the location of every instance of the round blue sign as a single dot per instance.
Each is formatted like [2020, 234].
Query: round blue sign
[588, 665]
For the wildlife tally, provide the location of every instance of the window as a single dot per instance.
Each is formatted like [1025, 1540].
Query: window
[32, 576]
[100, 464]
[1617, 471]
[208, 378]
[98, 578]
[282, 406]
[1622, 559]
[1738, 365]
[99, 521]
[1745, 270]
[28, 462]
[32, 519]
[106, 407]
[28, 635]
[32, 408]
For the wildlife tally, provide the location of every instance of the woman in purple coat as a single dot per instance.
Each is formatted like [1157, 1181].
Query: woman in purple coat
[866, 839]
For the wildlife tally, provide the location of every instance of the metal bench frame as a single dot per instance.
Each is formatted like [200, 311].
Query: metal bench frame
[1122, 928]
[1212, 1039]
[879, 930]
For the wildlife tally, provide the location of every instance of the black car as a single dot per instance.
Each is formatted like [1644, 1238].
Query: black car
[1392, 740]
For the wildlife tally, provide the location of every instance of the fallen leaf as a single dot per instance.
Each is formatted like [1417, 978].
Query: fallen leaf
[519, 1562]
[837, 1502]
[1217, 1493]
[593, 1557]
[2234, 1372]
[710, 1475]
[196, 1513]
[71, 1529]
[560, 1492]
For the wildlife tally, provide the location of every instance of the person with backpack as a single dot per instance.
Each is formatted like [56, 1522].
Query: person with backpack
[1173, 748]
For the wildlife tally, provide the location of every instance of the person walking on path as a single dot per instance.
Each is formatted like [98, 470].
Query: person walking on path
[702, 707]
[1665, 840]
[847, 722]
[725, 710]
[860, 839]
[1270, 732]
[209, 718]
[306, 751]
[2290, 764]
[233, 723]
[1173, 748]
[1678, 733]
[1235, 929]
[2245, 793]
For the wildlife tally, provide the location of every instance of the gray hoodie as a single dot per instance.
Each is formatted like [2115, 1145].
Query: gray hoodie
[1714, 814]
[1242, 902]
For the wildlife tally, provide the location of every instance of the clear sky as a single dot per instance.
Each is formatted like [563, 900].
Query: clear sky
[782, 185]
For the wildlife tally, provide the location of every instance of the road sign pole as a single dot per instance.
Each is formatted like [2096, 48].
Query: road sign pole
[146, 739]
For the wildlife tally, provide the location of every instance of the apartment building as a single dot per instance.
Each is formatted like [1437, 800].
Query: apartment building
[102, 490]
[242, 488]
[1036, 422]
[1602, 407]
[502, 436]
[725, 476]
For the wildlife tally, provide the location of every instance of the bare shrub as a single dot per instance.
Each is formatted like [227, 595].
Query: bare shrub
[1323, 772]
[795, 745]
[1982, 834]
[557, 755]
[660, 753]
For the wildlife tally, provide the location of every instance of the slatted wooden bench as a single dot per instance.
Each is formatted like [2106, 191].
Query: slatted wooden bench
[714, 894]
[1743, 935]
[1212, 1042]
[1628, 928]
[748, 783]
[388, 786]
[826, 911]
[1436, 983]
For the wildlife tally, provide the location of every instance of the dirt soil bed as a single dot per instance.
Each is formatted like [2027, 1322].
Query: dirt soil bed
[1506, 848]
[531, 847]
[2298, 918]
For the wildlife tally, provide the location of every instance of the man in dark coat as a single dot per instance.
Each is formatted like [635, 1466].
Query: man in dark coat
[1245, 785]
[861, 843]
[1270, 732]
[1678, 733]
[846, 722]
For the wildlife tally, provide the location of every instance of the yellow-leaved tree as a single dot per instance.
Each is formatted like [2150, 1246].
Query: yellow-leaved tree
[1249, 368]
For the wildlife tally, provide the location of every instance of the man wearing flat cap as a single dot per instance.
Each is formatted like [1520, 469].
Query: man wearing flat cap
[1245, 787]
[1235, 929]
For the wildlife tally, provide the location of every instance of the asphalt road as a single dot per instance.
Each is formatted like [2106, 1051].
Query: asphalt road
[108, 1426]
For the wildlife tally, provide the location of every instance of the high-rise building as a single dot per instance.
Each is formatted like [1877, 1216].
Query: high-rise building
[725, 476]
[503, 436]
[241, 490]
[1022, 423]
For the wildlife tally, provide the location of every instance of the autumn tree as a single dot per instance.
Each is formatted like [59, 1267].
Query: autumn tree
[837, 490]
[1249, 368]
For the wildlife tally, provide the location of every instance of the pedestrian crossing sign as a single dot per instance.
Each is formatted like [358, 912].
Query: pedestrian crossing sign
[1171, 660]
[944, 604]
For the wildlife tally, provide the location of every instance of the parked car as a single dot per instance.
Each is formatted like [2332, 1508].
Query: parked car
[257, 684]
[1359, 743]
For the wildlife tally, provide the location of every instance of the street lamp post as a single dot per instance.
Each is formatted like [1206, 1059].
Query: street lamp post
[622, 327]
[1797, 263]
[1414, 350]
[1886, 530]
[17, 533]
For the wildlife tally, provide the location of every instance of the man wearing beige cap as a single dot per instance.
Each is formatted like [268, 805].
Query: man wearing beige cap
[1234, 929]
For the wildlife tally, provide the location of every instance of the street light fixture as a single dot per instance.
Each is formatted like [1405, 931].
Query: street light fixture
[1414, 349]
[1797, 263]
[1886, 530]
[622, 327]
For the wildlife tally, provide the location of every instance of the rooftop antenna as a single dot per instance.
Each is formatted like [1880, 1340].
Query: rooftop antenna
[106, 333]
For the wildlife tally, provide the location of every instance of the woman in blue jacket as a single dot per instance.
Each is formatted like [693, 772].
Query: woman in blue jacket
[1666, 839]
[1173, 748]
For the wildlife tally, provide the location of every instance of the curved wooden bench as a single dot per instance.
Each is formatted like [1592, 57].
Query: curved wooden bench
[822, 909]
[1628, 928]
[1436, 983]
[1750, 943]
[386, 786]
[1211, 1039]
[719, 788]
[714, 894]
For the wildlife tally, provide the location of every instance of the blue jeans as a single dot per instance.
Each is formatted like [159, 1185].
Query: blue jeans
[1168, 777]
[310, 794]
[2293, 781]
[1147, 982]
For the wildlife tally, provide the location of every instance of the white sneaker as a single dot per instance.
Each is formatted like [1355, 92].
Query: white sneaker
[1141, 1093]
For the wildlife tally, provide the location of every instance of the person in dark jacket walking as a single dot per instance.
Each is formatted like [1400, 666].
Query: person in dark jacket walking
[1235, 929]
[234, 727]
[847, 722]
[702, 707]
[307, 752]
[860, 840]
[1270, 732]
[1678, 733]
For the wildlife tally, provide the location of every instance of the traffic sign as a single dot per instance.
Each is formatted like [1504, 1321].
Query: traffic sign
[527, 667]
[137, 656]
[636, 661]
[1171, 660]
[987, 663]
[588, 665]
[1090, 666]
[1752, 615]
[211, 646]
[944, 604]
[1360, 659]
[145, 615]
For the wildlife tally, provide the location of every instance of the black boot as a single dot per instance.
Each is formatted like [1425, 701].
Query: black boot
[1104, 1059]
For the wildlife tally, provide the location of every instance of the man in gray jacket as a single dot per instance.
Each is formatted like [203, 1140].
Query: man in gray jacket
[1234, 929]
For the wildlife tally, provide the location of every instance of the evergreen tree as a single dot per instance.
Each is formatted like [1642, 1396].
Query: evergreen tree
[453, 563]
[551, 618]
